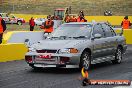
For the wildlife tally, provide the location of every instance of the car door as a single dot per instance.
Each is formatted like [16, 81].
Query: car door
[98, 43]
[110, 39]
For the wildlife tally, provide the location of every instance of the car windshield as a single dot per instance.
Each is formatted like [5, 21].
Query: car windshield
[72, 31]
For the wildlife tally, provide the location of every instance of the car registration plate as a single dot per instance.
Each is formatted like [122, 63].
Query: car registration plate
[46, 56]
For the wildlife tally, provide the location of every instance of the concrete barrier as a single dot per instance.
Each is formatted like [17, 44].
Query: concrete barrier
[28, 16]
[10, 52]
[20, 36]
[114, 20]
[128, 35]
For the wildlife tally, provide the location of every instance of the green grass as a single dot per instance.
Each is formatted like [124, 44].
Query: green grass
[90, 7]
[24, 27]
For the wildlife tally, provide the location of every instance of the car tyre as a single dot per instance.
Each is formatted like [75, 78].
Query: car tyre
[118, 56]
[85, 60]
[19, 22]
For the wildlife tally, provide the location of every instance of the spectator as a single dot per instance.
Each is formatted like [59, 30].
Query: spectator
[126, 23]
[81, 17]
[73, 19]
[32, 24]
[48, 25]
[67, 19]
[81, 13]
[2, 28]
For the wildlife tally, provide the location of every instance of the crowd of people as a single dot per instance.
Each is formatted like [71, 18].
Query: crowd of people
[73, 18]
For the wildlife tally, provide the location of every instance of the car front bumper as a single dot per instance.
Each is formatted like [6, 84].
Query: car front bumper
[55, 61]
[56, 66]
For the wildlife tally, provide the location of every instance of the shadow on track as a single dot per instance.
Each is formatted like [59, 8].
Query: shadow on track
[69, 70]
[55, 70]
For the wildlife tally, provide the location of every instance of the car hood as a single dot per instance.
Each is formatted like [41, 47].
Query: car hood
[56, 44]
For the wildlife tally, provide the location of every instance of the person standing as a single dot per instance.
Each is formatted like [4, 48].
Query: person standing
[2, 28]
[67, 19]
[126, 23]
[32, 24]
[48, 25]
[73, 19]
[81, 17]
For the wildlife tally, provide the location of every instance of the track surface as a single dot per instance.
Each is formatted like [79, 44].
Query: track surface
[17, 74]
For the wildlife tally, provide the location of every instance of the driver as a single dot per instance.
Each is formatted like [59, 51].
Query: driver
[48, 25]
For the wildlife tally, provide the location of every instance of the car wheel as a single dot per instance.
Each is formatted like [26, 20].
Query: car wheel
[19, 22]
[85, 60]
[118, 56]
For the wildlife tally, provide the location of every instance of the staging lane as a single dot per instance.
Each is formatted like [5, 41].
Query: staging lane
[17, 74]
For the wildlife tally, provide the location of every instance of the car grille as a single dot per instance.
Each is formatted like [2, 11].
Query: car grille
[46, 51]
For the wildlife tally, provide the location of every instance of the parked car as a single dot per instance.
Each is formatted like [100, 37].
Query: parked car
[74, 45]
[39, 21]
[10, 18]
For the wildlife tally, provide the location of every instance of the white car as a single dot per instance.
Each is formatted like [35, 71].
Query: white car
[11, 19]
[39, 21]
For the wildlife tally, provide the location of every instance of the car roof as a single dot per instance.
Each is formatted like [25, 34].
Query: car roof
[92, 23]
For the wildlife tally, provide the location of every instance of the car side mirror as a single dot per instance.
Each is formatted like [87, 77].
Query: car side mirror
[97, 35]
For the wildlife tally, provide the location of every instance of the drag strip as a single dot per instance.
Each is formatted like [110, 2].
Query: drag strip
[17, 74]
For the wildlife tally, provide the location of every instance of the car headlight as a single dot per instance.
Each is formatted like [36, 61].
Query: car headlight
[69, 50]
[31, 50]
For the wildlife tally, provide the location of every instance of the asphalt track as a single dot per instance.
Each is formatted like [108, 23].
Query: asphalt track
[17, 74]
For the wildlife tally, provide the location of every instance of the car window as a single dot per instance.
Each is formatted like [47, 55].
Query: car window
[108, 31]
[73, 30]
[98, 30]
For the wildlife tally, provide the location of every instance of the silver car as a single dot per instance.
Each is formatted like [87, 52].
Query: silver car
[74, 45]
